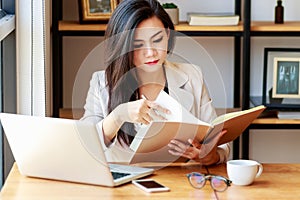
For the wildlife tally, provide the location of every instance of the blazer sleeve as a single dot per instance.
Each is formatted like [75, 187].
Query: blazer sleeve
[95, 108]
[223, 151]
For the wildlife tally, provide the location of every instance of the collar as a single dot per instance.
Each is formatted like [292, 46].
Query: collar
[177, 81]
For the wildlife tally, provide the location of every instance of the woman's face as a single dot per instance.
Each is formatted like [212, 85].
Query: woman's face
[150, 44]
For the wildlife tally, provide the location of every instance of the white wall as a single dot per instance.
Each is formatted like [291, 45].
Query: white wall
[221, 51]
[275, 146]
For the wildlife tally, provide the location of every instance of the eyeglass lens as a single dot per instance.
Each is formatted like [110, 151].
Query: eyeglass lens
[218, 184]
[198, 181]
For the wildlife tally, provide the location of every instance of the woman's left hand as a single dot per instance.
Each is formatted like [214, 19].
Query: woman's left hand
[204, 153]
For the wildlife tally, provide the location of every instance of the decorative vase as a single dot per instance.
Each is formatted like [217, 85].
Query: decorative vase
[174, 14]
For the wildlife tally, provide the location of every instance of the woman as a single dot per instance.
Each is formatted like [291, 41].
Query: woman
[139, 36]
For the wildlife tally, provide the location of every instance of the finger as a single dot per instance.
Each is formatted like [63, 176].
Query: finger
[180, 147]
[156, 115]
[175, 148]
[146, 117]
[180, 144]
[174, 153]
[186, 155]
[159, 108]
[143, 121]
[195, 143]
[146, 111]
[144, 108]
[223, 132]
[218, 136]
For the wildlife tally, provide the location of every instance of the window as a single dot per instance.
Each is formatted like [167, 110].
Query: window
[7, 77]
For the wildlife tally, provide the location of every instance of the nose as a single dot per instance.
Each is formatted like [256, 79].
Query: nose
[149, 51]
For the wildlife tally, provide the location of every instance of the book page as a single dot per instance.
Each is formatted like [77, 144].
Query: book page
[178, 112]
[227, 116]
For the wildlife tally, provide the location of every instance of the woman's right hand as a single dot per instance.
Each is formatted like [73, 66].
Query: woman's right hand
[140, 111]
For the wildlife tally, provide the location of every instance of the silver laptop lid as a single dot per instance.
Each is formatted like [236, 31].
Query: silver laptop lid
[56, 148]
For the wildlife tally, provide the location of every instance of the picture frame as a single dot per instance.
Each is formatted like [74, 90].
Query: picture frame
[281, 78]
[96, 11]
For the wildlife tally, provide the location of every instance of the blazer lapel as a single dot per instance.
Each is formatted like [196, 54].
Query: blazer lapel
[177, 80]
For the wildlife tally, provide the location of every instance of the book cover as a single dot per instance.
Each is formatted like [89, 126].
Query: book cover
[151, 142]
[212, 19]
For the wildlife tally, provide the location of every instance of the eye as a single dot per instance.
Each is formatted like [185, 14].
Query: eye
[137, 46]
[158, 40]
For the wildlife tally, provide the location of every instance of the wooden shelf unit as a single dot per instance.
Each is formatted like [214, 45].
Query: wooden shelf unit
[242, 34]
[264, 29]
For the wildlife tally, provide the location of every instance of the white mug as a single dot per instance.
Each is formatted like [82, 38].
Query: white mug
[243, 172]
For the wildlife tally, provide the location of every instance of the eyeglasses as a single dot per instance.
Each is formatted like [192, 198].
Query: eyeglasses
[218, 183]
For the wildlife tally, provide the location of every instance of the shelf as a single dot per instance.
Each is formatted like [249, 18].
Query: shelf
[74, 26]
[257, 26]
[275, 121]
[267, 26]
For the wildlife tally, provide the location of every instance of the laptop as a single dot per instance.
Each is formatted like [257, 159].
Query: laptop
[63, 149]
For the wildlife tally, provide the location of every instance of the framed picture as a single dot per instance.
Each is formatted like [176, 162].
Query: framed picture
[281, 80]
[92, 11]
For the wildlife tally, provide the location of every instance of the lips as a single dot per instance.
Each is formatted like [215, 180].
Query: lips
[154, 62]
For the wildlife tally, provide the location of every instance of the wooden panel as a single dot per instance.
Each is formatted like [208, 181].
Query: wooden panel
[183, 26]
[70, 113]
[278, 181]
[289, 26]
[25, 188]
[75, 26]
[275, 121]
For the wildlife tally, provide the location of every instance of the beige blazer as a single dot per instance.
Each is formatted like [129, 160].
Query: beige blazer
[185, 84]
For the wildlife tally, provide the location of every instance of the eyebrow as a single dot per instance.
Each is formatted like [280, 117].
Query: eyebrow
[137, 40]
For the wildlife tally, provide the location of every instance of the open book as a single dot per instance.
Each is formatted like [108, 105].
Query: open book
[151, 142]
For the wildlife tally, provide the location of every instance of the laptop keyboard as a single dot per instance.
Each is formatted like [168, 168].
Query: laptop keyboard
[117, 175]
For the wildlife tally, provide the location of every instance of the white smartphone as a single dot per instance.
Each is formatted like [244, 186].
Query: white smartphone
[150, 185]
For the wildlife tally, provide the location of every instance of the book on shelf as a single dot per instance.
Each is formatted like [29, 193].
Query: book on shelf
[151, 141]
[212, 19]
[288, 114]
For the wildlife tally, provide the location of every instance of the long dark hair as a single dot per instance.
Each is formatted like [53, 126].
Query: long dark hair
[122, 83]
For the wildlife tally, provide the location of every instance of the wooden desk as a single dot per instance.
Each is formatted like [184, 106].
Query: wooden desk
[278, 181]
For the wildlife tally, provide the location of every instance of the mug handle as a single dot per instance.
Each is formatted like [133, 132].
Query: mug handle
[260, 170]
